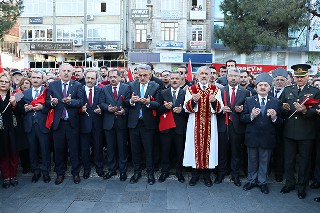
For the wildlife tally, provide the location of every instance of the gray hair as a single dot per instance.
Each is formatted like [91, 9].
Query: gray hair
[233, 69]
[65, 64]
[204, 68]
[144, 67]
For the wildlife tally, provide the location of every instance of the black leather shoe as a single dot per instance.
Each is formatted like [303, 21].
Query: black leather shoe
[123, 176]
[101, 173]
[109, 175]
[219, 179]
[317, 199]
[287, 189]
[180, 177]
[248, 186]
[135, 178]
[151, 179]
[35, 178]
[315, 185]
[236, 181]
[6, 183]
[59, 180]
[264, 189]
[207, 181]
[279, 178]
[46, 178]
[302, 194]
[193, 181]
[14, 181]
[76, 179]
[86, 174]
[163, 177]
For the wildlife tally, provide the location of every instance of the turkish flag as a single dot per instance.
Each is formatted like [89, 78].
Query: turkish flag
[189, 75]
[130, 74]
[310, 102]
[40, 99]
[166, 121]
[50, 118]
[1, 68]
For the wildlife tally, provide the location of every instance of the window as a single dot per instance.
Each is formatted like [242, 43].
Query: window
[69, 8]
[9, 47]
[281, 58]
[197, 5]
[103, 7]
[259, 58]
[141, 4]
[169, 31]
[104, 32]
[223, 56]
[69, 32]
[218, 25]
[169, 5]
[36, 8]
[218, 14]
[197, 33]
[141, 36]
[36, 33]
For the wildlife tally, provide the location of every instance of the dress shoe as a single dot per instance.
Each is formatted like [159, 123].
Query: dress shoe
[76, 179]
[180, 177]
[86, 174]
[35, 178]
[151, 179]
[123, 176]
[207, 181]
[6, 183]
[101, 173]
[163, 177]
[236, 181]
[302, 194]
[264, 189]
[287, 189]
[14, 181]
[46, 178]
[248, 186]
[219, 179]
[279, 178]
[109, 175]
[315, 185]
[25, 170]
[317, 199]
[59, 180]
[193, 181]
[135, 178]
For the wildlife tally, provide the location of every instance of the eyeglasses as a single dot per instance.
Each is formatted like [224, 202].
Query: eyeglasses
[6, 82]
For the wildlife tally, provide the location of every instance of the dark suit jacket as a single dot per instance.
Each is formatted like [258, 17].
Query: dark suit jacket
[40, 115]
[94, 120]
[149, 120]
[55, 90]
[299, 126]
[107, 99]
[261, 131]
[241, 95]
[180, 119]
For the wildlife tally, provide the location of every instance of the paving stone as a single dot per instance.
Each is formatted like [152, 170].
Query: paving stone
[101, 207]
[135, 197]
[112, 198]
[92, 195]
[129, 207]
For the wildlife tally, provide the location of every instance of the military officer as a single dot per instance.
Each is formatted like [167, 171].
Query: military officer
[299, 129]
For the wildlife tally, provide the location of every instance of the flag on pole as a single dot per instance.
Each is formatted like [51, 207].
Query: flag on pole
[1, 68]
[189, 76]
[130, 78]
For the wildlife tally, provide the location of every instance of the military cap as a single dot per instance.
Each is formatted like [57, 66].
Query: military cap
[280, 72]
[264, 77]
[300, 69]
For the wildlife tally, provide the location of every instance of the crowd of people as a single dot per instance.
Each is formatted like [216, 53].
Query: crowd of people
[227, 121]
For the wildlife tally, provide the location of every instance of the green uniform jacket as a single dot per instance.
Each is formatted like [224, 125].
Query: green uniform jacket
[300, 126]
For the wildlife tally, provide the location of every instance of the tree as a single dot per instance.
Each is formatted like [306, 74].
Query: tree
[10, 10]
[262, 23]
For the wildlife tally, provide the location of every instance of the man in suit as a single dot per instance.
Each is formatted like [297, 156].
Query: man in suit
[173, 99]
[143, 100]
[280, 76]
[115, 124]
[245, 83]
[37, 133]
[91, 125]
[299, 129]
[65, 96]
[262, 114]
[230, 128]
[184, 82]
[79, 73]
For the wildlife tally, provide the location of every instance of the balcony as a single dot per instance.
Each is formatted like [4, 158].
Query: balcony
[197, 15]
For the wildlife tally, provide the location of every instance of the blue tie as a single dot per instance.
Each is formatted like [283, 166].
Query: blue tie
[141, 96]
[37, 93]
[263, 106]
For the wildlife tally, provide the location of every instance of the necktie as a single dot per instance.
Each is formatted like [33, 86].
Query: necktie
[276, 93]
[90, 97]
[263, 106]
[299, 90]
[115, 94]
[233, 96]
[64, 93]
[204, 87]
[174, 98]
[141, 96]
[37, 93]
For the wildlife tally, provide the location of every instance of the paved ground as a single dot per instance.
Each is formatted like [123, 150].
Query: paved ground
[98, 195]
